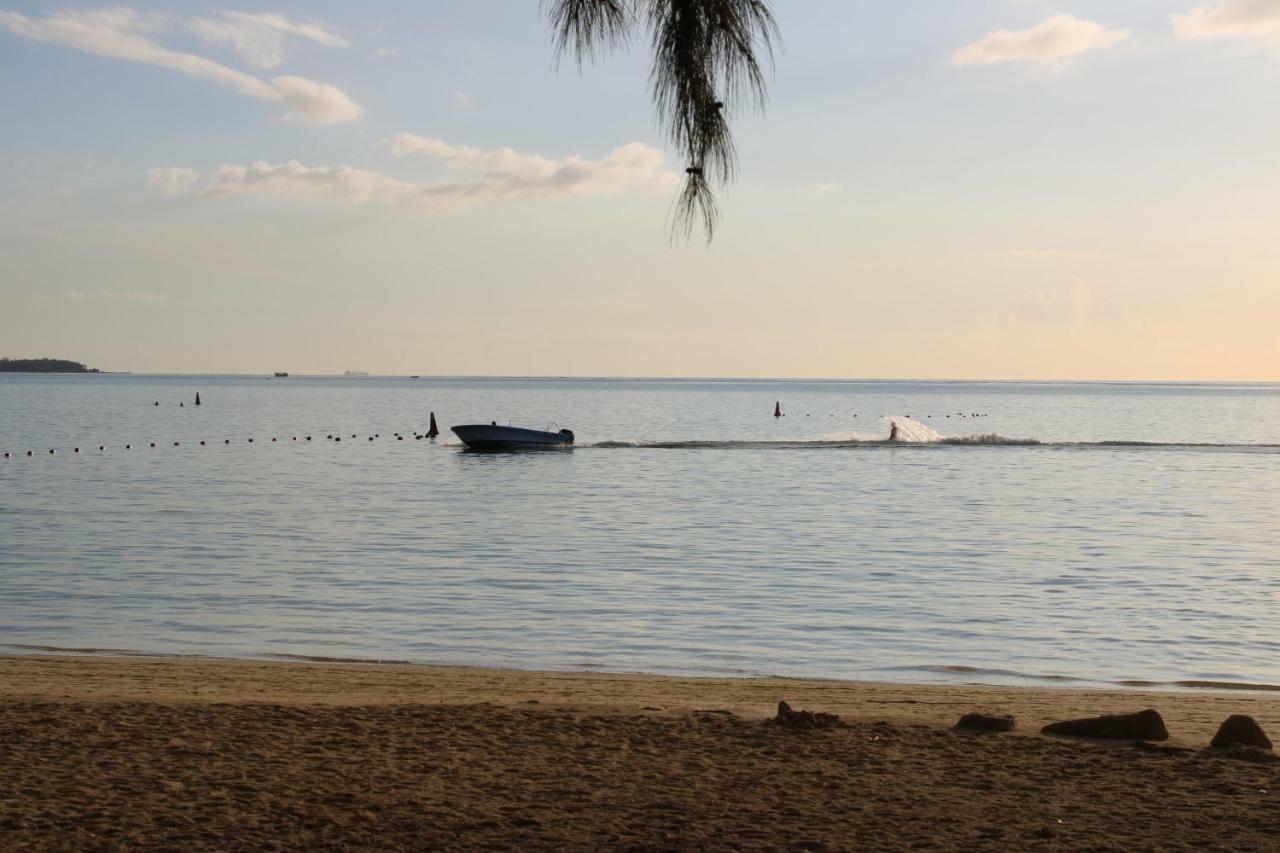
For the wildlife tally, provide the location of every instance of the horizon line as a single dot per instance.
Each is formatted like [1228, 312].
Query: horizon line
[660, 378]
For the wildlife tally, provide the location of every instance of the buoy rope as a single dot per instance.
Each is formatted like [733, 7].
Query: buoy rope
[300, 438]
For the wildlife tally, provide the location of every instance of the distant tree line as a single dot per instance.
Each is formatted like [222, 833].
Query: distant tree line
[43, 365]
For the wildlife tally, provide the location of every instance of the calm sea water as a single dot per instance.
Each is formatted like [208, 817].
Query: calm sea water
[1091, 532]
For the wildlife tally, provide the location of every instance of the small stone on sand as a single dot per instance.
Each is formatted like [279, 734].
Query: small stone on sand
[805, 719]
[986, 723]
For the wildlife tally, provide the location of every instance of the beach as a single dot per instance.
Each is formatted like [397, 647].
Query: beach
[138, 752]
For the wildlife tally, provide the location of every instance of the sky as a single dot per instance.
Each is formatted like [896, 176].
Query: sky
[988, 189]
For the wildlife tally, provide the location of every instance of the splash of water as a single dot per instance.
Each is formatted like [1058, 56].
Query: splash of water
[905, 430]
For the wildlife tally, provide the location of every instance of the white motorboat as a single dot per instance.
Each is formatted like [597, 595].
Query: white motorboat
[490, 436]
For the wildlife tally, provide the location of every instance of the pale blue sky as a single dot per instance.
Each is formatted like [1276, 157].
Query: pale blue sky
[1094, 194]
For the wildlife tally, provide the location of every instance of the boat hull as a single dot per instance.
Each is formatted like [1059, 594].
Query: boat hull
[494, 437]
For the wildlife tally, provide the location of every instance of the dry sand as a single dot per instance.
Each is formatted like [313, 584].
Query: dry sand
[113, 753]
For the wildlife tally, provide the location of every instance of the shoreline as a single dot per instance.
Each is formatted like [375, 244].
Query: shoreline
[1015, 681]
[1192, 714]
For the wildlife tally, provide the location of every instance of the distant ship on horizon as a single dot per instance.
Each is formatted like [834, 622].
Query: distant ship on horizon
[356, 373]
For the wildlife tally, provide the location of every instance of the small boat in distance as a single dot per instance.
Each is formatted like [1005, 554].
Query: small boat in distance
[490, 436]
[356, 373]
[280, 374]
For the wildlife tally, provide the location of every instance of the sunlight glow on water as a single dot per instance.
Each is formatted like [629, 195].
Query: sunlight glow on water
[742, 545]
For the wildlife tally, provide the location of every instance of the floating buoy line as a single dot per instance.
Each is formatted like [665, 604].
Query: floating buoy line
[302, 438]
[430, 434]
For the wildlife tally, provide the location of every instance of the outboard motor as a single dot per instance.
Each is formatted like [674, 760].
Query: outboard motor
[567, 434]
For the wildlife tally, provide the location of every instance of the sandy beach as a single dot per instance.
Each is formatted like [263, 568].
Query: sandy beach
[112, 753]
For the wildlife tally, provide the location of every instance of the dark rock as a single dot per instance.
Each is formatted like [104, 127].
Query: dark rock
[986, 723]
[1144, 725]
[805, 719]
[1239, 730]
[1252, 754]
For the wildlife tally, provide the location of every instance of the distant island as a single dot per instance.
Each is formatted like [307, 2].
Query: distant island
[43, 365]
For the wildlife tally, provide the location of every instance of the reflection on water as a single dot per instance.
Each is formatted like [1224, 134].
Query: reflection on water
[812, 548]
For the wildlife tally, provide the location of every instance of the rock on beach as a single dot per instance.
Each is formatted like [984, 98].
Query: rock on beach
[1144, 725]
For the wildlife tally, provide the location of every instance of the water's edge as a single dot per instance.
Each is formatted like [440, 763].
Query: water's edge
[1016, 680]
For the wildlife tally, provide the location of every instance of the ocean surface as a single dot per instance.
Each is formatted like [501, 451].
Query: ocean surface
[1015, 533]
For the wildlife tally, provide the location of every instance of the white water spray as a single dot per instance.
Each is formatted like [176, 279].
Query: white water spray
[904, 430]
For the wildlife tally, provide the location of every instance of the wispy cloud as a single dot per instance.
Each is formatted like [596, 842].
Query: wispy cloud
[1049, 44]
[111, 295]
[1258, 20]
[172, 181]
[126, 34]
[260, 38]
[461, 98]
[475, 175]
[1049, 254]
[505, 172]
[316, 103]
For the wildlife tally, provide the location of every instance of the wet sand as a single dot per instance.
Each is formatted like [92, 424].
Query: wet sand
[111, 753]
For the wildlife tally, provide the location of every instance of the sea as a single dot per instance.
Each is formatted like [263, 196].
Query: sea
[1012, 532]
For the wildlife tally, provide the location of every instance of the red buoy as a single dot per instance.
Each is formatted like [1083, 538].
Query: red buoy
[433, 431]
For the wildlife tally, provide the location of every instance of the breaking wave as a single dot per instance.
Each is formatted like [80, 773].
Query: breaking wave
[907, 433]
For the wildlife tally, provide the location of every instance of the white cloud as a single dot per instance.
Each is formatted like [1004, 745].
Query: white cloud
[475, 175]
[260, 38]
[1248, 19]
[122, 33]
[461, 98]
[1049, 44]
[317, 103]
[295, 180]
[172, 180]
[507, 172]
